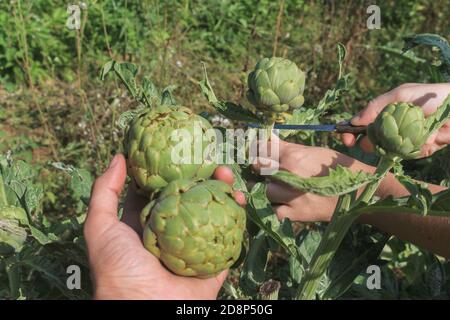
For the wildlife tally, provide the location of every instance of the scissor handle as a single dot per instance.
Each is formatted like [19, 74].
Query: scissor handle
[348, 128]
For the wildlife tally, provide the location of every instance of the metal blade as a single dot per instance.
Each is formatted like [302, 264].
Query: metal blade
[313, 127]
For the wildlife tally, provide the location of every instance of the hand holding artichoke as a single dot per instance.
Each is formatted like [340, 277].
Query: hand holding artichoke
[195, 229]
[399, 131]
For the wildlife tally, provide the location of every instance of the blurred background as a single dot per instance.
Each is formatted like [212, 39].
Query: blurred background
[57, 116]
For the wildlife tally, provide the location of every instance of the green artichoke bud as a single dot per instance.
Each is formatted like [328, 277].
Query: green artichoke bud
[148, 148]
[276, 85]
[12, 235]
[399, 131]
[195, 229]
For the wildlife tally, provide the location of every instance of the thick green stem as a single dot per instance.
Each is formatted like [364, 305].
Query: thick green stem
[3, 200]
[334, 234]
[331, 239]
[383, 168]
[12, 270]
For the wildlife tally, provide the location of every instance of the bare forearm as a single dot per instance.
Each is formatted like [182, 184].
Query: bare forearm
[431, 233]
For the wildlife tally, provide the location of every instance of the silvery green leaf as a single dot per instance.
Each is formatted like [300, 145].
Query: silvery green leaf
[126, 117]
[259, 210]
[438, 118]
[339, 181]
[436, 41]
[254, 268]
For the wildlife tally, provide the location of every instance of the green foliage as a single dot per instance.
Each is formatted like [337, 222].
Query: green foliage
[42, 248]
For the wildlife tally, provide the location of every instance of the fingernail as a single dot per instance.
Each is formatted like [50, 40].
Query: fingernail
[113, 162]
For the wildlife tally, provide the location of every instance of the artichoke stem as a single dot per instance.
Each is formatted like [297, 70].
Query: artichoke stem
[383, 168]
[335, 232]
[3, 199]
[340, 222]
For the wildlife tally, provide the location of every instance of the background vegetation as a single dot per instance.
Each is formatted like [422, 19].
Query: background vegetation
[57, 115]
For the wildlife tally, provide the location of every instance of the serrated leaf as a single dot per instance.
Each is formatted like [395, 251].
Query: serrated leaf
[150, 92]
[107, 67]
[33, 197]
[357, 251]
[254, 269]
[420, 194]
[166, 96]
[81, 184]
[339, 181]
[126, 117]
[432, 40]
[127, 73]
[436, 120]
[260, 211]
[342, 52]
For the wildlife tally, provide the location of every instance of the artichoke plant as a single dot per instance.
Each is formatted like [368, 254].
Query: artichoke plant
[276, 85]
[12, 235]
[148, 148]
[399, 131]
[195, 229]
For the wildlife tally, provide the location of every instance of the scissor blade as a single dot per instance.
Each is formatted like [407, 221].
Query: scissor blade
[313, 127]
[344, 127]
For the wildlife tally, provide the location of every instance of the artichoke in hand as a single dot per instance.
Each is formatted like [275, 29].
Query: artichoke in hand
[195, 229]
[148, 148]
[399, 131]
[276, 85]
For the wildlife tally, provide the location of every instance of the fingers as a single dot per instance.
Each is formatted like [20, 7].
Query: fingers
[369, 113]
[224, 174]
[284, 211]
[262, 163]
[366, 145]
[348, 139]
[239, 197]
[104, 201]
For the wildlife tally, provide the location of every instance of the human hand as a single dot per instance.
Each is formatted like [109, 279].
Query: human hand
[427, 96]
[120, 265]
[304, 161]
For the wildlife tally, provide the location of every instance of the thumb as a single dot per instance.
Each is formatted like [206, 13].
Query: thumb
[104, 202]
[369, 113]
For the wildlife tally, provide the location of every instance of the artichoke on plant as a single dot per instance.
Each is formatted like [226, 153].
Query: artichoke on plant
[195, 229]
[399, 131]
[148, 148]
[276, 85]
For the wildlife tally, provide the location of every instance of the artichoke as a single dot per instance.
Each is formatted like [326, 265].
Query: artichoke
[276, 85]
[12, 235]
[399, 131]
[148, 148]
[194, 229]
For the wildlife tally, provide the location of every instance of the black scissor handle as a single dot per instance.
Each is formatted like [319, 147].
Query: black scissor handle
[348, 128]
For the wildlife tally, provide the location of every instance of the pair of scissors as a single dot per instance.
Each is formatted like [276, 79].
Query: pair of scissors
[343, 127]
